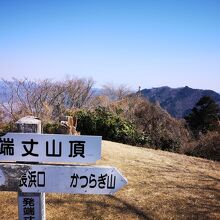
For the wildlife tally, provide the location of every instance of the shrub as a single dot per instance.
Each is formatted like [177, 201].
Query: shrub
[102, 121]
[208, 146]
[54, 128]
[157, 128]
[204, 116]
[7, 127]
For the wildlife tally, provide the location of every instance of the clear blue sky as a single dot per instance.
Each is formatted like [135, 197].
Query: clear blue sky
[138, 42]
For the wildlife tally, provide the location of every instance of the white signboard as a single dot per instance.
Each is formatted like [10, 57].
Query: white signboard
[29, 207]
[72, 179]
[50, 148]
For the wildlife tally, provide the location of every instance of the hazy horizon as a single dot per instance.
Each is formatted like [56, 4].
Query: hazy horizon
[136, 43]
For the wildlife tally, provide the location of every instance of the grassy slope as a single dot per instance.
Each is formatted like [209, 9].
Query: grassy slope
[161, 185]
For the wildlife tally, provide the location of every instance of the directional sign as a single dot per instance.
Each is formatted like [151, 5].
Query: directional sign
[72, 179]
[60, 179]
[50, 148]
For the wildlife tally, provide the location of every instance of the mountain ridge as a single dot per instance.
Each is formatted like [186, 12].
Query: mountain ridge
[178, 101]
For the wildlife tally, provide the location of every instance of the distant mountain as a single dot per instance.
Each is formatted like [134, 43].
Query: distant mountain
[96, 91]
[178, 102]
[4, 92]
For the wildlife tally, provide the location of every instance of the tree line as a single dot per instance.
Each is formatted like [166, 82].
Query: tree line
[114, 112]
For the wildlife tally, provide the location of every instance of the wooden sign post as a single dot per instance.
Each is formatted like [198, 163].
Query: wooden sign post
[30, 205]
[32, 179]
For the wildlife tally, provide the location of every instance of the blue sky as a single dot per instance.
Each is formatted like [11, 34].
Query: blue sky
[145, 43]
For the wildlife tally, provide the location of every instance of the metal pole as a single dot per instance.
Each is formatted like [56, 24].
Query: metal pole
[30, 205]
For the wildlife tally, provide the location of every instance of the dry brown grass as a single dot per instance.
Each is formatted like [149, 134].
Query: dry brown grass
[161, 185]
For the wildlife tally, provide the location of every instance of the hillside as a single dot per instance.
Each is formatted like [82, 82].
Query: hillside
[178, 102]
[161, 185]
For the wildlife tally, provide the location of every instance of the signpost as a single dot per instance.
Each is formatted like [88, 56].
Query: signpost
[31, 179]
[29, 124]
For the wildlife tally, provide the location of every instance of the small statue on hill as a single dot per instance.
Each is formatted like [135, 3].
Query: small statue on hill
[70, 124]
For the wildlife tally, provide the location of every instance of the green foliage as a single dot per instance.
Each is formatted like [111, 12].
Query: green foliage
[54, 128]
[107, 124]
[86, 122]
[7, 127]
[204, 116]
[50, 128]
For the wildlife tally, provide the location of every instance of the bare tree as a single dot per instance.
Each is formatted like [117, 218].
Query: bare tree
[27, 97]
[49, 99]
[116, 92]
[8, 104]
[78, 92]
[99, 100]
[44, 98]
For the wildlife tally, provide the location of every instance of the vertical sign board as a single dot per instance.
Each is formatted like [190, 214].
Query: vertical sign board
[28, 124]
[29, 206]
